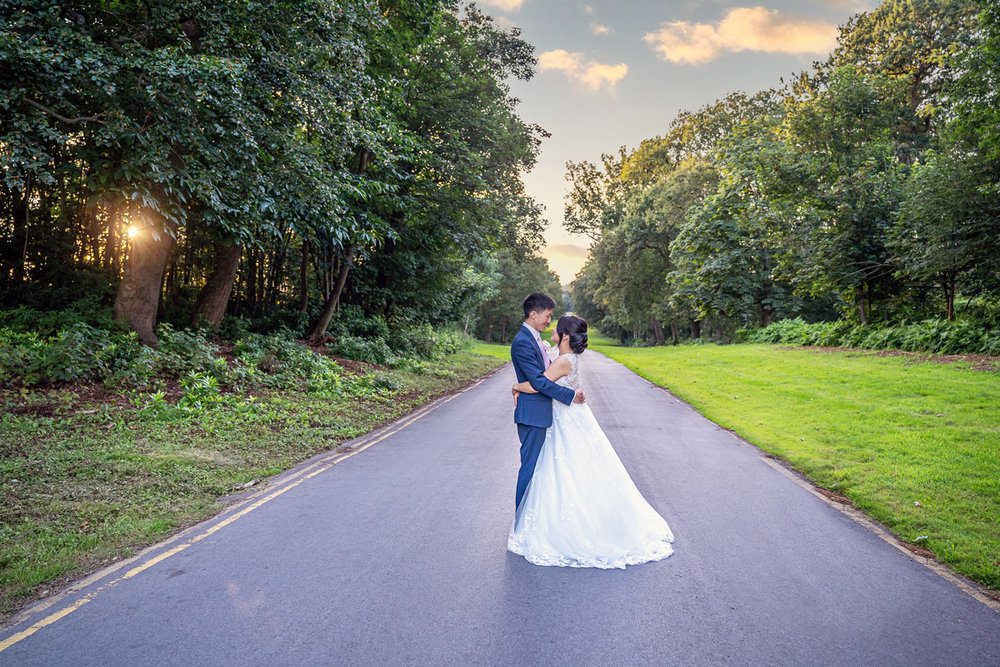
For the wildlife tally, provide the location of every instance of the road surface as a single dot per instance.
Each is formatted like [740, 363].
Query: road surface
[396, 555]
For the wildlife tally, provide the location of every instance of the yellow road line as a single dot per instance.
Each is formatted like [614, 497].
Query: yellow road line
[325, 464]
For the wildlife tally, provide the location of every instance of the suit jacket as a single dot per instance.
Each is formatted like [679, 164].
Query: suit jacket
[535, 409]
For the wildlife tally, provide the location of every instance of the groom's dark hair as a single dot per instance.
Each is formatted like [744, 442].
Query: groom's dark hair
[537, 302]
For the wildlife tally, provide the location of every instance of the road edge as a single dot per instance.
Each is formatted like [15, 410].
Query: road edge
[968, 586]
[235, 508]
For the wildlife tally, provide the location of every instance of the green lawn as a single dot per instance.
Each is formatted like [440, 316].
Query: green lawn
[87, 477]
[492, 350]
[914, 443]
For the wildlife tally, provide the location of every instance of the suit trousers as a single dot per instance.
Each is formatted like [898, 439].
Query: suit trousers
[532, 438]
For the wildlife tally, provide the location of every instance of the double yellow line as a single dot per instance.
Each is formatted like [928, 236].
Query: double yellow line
[285, 484]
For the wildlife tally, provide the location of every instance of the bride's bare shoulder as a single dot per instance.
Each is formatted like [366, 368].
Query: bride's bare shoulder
[562, 362]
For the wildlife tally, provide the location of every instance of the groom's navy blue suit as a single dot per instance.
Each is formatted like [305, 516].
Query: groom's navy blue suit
[533, 414]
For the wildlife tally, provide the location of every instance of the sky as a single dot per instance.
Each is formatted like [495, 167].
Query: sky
[614, 72]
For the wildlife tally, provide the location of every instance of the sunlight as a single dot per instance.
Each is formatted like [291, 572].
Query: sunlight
[132, 231]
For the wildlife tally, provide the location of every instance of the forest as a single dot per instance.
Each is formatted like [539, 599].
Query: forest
[354, 168]
[857, 203]
[353, 176]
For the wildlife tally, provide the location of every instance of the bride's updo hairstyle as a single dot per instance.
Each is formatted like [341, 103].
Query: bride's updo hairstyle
[576, 328]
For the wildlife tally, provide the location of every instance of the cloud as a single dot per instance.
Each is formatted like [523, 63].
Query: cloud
[566, 259]
[567, 250]
[742, 29]
[589, 10]
[600, 29]
[505, 5]
[577, 67]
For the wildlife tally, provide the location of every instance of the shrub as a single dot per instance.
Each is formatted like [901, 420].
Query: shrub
[281, 363]
[370, 350]
[69, 355]
[201, 391]
[936, 336]
[184, 352]
[425, 342]
[351, 321]
[288, 323]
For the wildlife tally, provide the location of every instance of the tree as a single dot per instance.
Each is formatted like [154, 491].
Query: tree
[947, 225]
[596, 197]
[166, 116]
[500, 316]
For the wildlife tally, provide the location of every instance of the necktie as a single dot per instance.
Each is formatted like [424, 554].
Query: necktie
[545, 353]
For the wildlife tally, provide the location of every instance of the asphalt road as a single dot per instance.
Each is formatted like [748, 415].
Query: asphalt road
[397, 556]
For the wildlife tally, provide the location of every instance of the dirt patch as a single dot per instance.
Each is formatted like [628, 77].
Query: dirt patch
[833, 495]
[977, 362]
[919, 550]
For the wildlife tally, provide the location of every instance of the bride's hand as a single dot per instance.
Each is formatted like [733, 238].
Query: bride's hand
[580, 397]
[516, 393]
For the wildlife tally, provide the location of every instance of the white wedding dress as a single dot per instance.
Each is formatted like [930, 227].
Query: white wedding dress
[581, 508]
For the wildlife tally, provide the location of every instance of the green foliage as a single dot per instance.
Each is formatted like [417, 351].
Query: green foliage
[77, 353]
[373, 341]
[369, 350]
[936, 336]
[374, 140]
[864, 188]
[500, 316]
[201, 392]
[184, 352]
[80, 353]
[277, 362]
[976, 93]
[425, 342]
[49, 322]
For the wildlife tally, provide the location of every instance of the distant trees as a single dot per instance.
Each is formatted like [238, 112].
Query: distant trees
[186, 163]
[500, 316]
[865, 188]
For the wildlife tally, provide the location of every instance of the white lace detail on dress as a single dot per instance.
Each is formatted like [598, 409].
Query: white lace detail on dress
[572, 380]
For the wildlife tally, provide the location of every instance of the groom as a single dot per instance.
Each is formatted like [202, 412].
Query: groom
[533, 412]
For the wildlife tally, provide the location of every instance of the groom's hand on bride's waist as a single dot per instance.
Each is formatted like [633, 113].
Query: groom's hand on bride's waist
[580, 397]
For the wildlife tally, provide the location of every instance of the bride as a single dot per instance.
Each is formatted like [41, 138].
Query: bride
[581, 508]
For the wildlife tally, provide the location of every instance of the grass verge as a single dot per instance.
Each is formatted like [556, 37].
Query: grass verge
[914, 443]
[492, 350]
[88, 477]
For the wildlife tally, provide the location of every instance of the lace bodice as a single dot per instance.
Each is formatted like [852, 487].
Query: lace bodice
[573, 380]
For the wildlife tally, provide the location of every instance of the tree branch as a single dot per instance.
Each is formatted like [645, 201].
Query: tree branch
[96, 118]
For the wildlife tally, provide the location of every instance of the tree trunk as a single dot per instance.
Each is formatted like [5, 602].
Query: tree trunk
[696, 329]
[94, 233]
[19, 243]
[333, 297]
[674, 337]
[333, 300]
[214, 296]
[657, 331]
[948, 282]
[766, 315]
[260, 286]
[275, 274]
[139, 291]
[304, 278]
